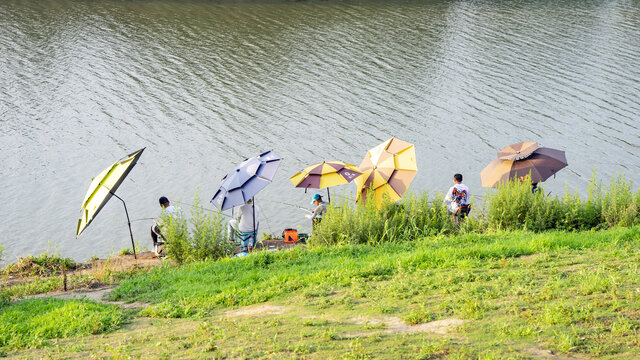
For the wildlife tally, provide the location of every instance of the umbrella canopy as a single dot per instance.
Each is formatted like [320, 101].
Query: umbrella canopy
[104, 186]
[542, 163]
[325, 174]
[387, 169]
[518, 151]
[246, 180]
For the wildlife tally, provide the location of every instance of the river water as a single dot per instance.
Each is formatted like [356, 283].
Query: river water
[203, 84]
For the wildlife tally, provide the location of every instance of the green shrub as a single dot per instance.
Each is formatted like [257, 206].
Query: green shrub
[205, 239]
[413, 216]
[30, 323]
[512, 206]
[208, 236]
[619, 203]
[176, 232]
[126, 251]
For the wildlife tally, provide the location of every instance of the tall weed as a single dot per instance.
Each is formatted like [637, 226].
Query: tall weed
[205, 239]
[414, 216]
[512, 206]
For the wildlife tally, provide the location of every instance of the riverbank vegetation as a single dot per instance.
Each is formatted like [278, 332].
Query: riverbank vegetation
[511, 206]
[513, 294]
[201, 237]
[527, 275]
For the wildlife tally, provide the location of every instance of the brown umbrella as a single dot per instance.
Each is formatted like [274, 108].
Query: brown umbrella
[542, 163]
[518, 151]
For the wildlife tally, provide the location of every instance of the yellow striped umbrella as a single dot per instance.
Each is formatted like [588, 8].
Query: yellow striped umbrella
[387, 169]
[104, 186]
[325, 174]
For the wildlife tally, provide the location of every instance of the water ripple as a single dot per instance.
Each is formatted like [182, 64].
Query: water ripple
[205, 84]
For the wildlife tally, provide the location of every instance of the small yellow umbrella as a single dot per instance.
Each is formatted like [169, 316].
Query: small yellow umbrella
[104, 186]
[325, 174]
[387, 169]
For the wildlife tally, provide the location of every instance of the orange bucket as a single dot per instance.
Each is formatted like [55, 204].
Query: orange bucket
[290, 235]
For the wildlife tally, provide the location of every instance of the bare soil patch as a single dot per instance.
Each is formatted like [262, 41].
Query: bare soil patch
[122, 263]
[538, 353]
[97, 295]
[395, 325]
[256, 310]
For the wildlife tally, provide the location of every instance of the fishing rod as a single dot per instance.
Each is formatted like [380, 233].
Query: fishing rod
[142, 219]
[201, 207]
[187, 204]
[288, 204]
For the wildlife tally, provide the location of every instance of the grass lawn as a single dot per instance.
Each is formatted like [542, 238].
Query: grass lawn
[481, 296]
[31, 323]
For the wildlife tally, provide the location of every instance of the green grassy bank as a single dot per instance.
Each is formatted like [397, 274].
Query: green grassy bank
[529, 276]
[520, 295]
[567, 292]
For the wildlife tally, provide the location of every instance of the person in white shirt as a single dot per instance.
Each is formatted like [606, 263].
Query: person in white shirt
[457, 198]
[244, 224]
[155, 228]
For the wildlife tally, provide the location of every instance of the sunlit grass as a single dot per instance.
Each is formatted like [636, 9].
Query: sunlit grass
[31, 323]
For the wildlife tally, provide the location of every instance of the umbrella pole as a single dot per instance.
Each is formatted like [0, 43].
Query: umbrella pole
[253, 208]
[328, 196]
[128, 222]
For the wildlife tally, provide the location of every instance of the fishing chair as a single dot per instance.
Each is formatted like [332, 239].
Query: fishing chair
[245, 239]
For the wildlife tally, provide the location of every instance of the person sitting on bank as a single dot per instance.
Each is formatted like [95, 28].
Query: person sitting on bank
[457, 199]
[320, 209]
[243, 225]
[156, 233]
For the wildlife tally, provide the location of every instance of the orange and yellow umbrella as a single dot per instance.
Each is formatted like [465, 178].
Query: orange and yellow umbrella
[387, 169]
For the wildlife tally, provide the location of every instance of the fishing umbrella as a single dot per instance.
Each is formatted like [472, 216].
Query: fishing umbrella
[542, 163]
[104, 186]
[325, 175]
[245, 181]
[518, 151]
[387, 169]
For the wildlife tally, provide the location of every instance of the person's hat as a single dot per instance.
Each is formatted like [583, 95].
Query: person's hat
[163, 200]
[316, 197]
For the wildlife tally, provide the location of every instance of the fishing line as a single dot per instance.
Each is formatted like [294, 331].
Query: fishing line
[288, 204]
[202, 207]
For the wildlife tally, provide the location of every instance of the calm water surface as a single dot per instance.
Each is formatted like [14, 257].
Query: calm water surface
[203, 84]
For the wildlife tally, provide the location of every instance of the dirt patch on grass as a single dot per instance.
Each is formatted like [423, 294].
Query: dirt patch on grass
[123, 263]
[395, 325]
[256, 310]
[97, 295]
[538, 353]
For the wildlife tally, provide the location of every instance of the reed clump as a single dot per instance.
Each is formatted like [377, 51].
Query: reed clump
[200, 238]
[412, 217]
[511, 206]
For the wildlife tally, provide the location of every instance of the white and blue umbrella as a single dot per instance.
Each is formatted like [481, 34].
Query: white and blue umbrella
[246, 180]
